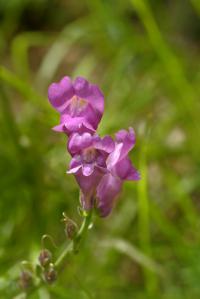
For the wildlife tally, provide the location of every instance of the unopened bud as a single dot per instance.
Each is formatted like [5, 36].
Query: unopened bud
[70, 229]
[50, 274]
[45, 257]
[26, 279]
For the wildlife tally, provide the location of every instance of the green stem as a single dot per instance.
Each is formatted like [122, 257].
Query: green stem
[83, 230]
[68, 249]
[74, 245]
[144, 222]
[9, 120]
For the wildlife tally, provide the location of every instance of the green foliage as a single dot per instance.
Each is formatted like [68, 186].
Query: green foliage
[145, 57]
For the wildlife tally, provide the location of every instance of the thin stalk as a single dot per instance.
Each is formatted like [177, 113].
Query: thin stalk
[74, 245]
[144, 222]
[188, 103]
[9, 119]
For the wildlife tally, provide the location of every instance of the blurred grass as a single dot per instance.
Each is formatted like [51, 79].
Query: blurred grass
[145, 56]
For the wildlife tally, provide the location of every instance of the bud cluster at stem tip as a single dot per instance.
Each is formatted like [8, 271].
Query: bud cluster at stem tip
[100, 165]
[47, 267]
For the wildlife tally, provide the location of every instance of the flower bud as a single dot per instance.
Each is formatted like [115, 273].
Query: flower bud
[26, 279]
[70, 229]
[50, 274]
[45, 257]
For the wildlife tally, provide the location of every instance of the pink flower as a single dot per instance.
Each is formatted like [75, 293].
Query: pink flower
[119, 168]
[100, 165]
[88, 164]
[80, 103]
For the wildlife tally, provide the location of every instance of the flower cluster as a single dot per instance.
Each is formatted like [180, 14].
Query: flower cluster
[100, 165]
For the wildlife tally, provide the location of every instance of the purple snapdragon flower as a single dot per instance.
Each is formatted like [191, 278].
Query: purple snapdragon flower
[80, 103]
[100, 165]
[88, 164]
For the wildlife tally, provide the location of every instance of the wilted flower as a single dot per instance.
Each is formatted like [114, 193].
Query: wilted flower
[80, 103]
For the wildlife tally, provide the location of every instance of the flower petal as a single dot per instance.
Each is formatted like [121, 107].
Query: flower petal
[125, 142]
[106, 144]
[114, 156]
[75, 165]
[88, 169]
[126, 171]
[81, 87]
[121, 135]
[96, 99]
[59, 128]
[60, 93]
[107, 191]
[79, 142]
[75, 124]
[74, 170]
[89, 183]
[91, 115]
[90, 92]
[127, 138]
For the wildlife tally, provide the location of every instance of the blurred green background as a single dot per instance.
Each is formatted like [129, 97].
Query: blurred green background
[145, 57]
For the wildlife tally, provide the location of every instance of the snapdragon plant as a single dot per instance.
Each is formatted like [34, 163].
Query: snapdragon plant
[100, 165]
